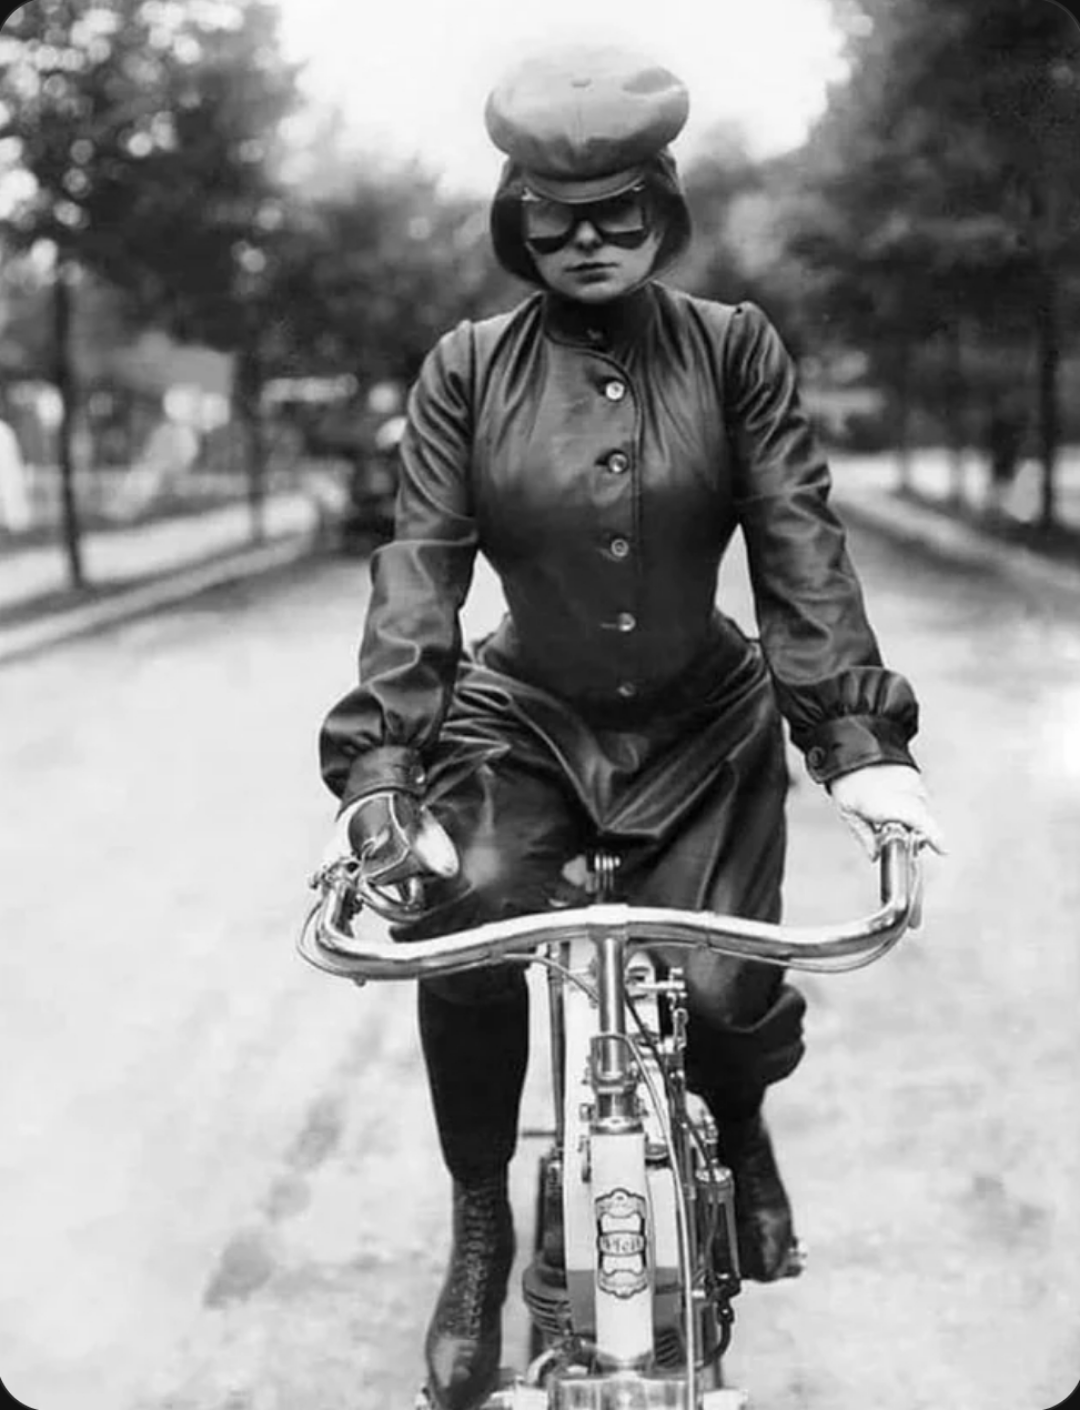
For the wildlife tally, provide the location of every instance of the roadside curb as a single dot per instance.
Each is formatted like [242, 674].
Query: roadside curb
[19, 642]
[936, 533]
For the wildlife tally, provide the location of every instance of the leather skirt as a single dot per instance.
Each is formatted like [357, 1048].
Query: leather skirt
[688, 792]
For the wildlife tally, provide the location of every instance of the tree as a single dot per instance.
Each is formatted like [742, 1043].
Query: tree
[741, 208]
[728, 194]
[384, 267]
[102, 323]
[204, 245]
[942, 188]
[139, 129]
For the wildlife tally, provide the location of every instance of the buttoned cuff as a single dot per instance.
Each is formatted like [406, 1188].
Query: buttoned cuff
[850, 742]
[377, 769]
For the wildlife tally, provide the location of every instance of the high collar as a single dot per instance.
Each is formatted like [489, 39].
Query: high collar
[607, 327]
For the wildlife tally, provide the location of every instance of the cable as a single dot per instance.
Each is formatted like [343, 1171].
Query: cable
[559, 968]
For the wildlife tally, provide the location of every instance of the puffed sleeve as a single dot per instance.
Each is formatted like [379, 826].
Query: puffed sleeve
[377, 735]
[845, 709]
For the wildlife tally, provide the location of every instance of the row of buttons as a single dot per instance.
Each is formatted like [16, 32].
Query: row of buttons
[618, 464]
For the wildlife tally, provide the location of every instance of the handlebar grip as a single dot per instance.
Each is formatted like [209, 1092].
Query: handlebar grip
[899, 849]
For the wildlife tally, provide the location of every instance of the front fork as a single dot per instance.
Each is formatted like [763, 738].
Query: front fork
[626, 1261]
[622, 1210]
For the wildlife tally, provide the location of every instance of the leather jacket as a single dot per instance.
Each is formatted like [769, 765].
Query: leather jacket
[602, 459]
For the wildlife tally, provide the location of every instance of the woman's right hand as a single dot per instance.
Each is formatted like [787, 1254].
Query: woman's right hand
[398, 842]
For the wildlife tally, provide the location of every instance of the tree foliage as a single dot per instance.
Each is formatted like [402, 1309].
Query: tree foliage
[939, 199]
[377, 270]
[141, 136]
[738, 205]
[141, 128]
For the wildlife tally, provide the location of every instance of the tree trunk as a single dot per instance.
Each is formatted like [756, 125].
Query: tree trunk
[65, 382]
[247, 400]
[903, 419]
[1048, 194]
[957, 409]
[1048, 355]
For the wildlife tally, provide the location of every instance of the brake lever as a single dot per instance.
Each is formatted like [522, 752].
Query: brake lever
[395, 908]
[345, 876]
[915, 916]
[340, 874]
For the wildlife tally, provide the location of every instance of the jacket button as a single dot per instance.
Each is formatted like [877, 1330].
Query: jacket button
[816, 757]
[619, 548]
[626, 621]
[618, 463]
[614, 391]
[627, 690]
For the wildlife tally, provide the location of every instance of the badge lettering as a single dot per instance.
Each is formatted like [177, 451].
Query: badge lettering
[621, 1243]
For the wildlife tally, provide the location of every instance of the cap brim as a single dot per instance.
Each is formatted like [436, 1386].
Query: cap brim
[576, 192]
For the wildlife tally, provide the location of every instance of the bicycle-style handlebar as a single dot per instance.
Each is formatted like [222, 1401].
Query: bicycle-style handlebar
[329, 944]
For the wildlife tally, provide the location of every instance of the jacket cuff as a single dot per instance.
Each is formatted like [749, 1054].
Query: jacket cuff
[851, 742]
[388, 767]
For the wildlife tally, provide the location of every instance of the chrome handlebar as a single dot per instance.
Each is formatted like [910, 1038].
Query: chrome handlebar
[328, 943]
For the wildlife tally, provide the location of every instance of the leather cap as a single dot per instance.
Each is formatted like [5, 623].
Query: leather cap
[582, 123]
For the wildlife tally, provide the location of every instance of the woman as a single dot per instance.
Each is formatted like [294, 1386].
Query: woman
[600, 444]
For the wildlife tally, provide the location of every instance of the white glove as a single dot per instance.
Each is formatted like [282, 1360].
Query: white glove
[876, 794]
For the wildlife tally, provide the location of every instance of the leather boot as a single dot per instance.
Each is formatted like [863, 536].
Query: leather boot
[464, 1340]
[768, 1248]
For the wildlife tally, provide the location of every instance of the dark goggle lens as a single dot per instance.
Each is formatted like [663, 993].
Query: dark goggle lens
[621, 220]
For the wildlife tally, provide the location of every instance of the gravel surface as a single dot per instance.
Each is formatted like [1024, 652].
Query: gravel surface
[219, 1188]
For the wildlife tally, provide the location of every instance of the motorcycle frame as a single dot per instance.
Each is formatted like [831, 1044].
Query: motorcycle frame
[625, 1380]
[610, 1180]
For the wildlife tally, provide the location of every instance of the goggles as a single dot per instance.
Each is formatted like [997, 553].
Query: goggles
[619, 220]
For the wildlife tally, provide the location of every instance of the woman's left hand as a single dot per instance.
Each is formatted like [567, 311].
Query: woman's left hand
[869, 797]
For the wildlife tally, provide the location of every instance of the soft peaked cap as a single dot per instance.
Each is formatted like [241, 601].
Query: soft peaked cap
[581, 123]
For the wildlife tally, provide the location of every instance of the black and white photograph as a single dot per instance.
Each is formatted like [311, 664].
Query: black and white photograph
[540, 705]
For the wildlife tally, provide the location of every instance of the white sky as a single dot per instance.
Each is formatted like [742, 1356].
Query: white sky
[413, 75]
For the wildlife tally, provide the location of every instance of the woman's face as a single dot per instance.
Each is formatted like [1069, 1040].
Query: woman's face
[593, 271]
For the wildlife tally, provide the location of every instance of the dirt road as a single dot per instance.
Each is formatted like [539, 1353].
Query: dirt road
[219, 1189]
